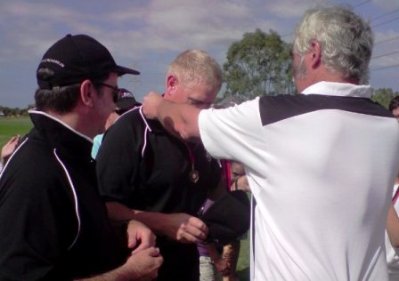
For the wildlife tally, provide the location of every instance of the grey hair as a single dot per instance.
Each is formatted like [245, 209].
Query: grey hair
[197, 66]
[346, 40]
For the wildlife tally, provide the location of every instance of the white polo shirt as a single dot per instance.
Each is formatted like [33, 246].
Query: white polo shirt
[321, 166]
[393, 253]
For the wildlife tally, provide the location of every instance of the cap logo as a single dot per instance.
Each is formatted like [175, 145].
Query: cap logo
[75, 58]
[53, 61]
[125, 94]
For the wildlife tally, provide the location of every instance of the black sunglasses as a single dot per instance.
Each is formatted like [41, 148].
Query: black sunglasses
[116, 92]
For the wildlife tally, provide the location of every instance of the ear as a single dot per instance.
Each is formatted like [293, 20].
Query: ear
[315, 52]
[87, 93]
[171, 83]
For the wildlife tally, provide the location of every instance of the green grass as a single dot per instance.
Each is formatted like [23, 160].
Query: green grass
[243, 261]
[10, 126]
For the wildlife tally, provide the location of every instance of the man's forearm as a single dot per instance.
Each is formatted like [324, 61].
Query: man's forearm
[119, 212]
[393, 226]
[180, 119]
[118, 274]
[157, 222]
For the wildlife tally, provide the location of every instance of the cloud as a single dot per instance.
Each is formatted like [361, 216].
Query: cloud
[157, 25]
[172, 24]
[29, 28]
[386, 51]
[387, 5]
[148, 34]
[291, 8]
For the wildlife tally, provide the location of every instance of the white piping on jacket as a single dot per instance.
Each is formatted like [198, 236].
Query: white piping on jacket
[12, 155]
[147, 128]
[74, 196]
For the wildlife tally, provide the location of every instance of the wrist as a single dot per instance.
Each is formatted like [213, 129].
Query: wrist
[154, 220]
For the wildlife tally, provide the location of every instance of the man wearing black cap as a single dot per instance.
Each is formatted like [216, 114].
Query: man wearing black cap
[126, 101]
[54, 225]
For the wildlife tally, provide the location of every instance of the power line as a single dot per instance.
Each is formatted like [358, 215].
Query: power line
[384, 55]
[354, 6]
[386, 40]
[385, 22]
[373, 19]
[385, 67]
[383, 15]
[361, 3]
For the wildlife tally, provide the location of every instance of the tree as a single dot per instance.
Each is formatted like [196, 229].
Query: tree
[383, 96]
[259, 64]
[9, 111]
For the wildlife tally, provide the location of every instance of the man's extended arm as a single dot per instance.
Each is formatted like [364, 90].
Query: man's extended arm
[180, 119]
[393, 226]
[178, 226]
[140, 266]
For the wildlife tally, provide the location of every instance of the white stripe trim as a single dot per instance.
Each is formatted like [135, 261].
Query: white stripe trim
[145, 142]
[144, 119]
[74, 196]
[62, 123]
[147, 128]
[12, 155]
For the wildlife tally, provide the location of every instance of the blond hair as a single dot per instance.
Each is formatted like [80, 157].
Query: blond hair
[196, 66]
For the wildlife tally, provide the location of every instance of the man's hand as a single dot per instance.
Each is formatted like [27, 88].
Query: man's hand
[185, 228]
[9, 148]
[140, 266]
[143, 265]
[151, 103]
[139, 236]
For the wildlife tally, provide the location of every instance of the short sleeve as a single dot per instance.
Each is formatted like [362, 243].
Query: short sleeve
[225, 132]
[118, 160]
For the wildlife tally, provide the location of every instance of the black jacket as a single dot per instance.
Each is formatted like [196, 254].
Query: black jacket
[53, 223]
[142, 166]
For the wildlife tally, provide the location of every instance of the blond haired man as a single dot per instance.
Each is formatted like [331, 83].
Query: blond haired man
[148, 174]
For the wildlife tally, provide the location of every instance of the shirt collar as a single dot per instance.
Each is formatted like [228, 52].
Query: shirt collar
[339, 89]
[33, 112]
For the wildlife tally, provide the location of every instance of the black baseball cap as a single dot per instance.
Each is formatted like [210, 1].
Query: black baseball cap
[75, 58]
[126, 101]
[228, 217]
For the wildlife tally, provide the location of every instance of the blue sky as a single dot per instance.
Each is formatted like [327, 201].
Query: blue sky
[148, 34]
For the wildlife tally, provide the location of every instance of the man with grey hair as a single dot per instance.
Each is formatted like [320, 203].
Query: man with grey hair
[320, 164]
[147, 174]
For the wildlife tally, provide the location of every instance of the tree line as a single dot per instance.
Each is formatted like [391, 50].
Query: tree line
[259, 64]
[14, 111]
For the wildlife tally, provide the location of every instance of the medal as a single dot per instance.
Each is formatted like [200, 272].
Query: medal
[194, 175]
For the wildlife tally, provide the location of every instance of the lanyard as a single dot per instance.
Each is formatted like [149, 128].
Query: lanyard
[193, 174]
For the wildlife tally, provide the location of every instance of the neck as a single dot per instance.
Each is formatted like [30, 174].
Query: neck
[76, 122]
[326, 75]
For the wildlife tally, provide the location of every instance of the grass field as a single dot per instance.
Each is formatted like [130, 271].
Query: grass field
[243, 261]
[10, 126]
